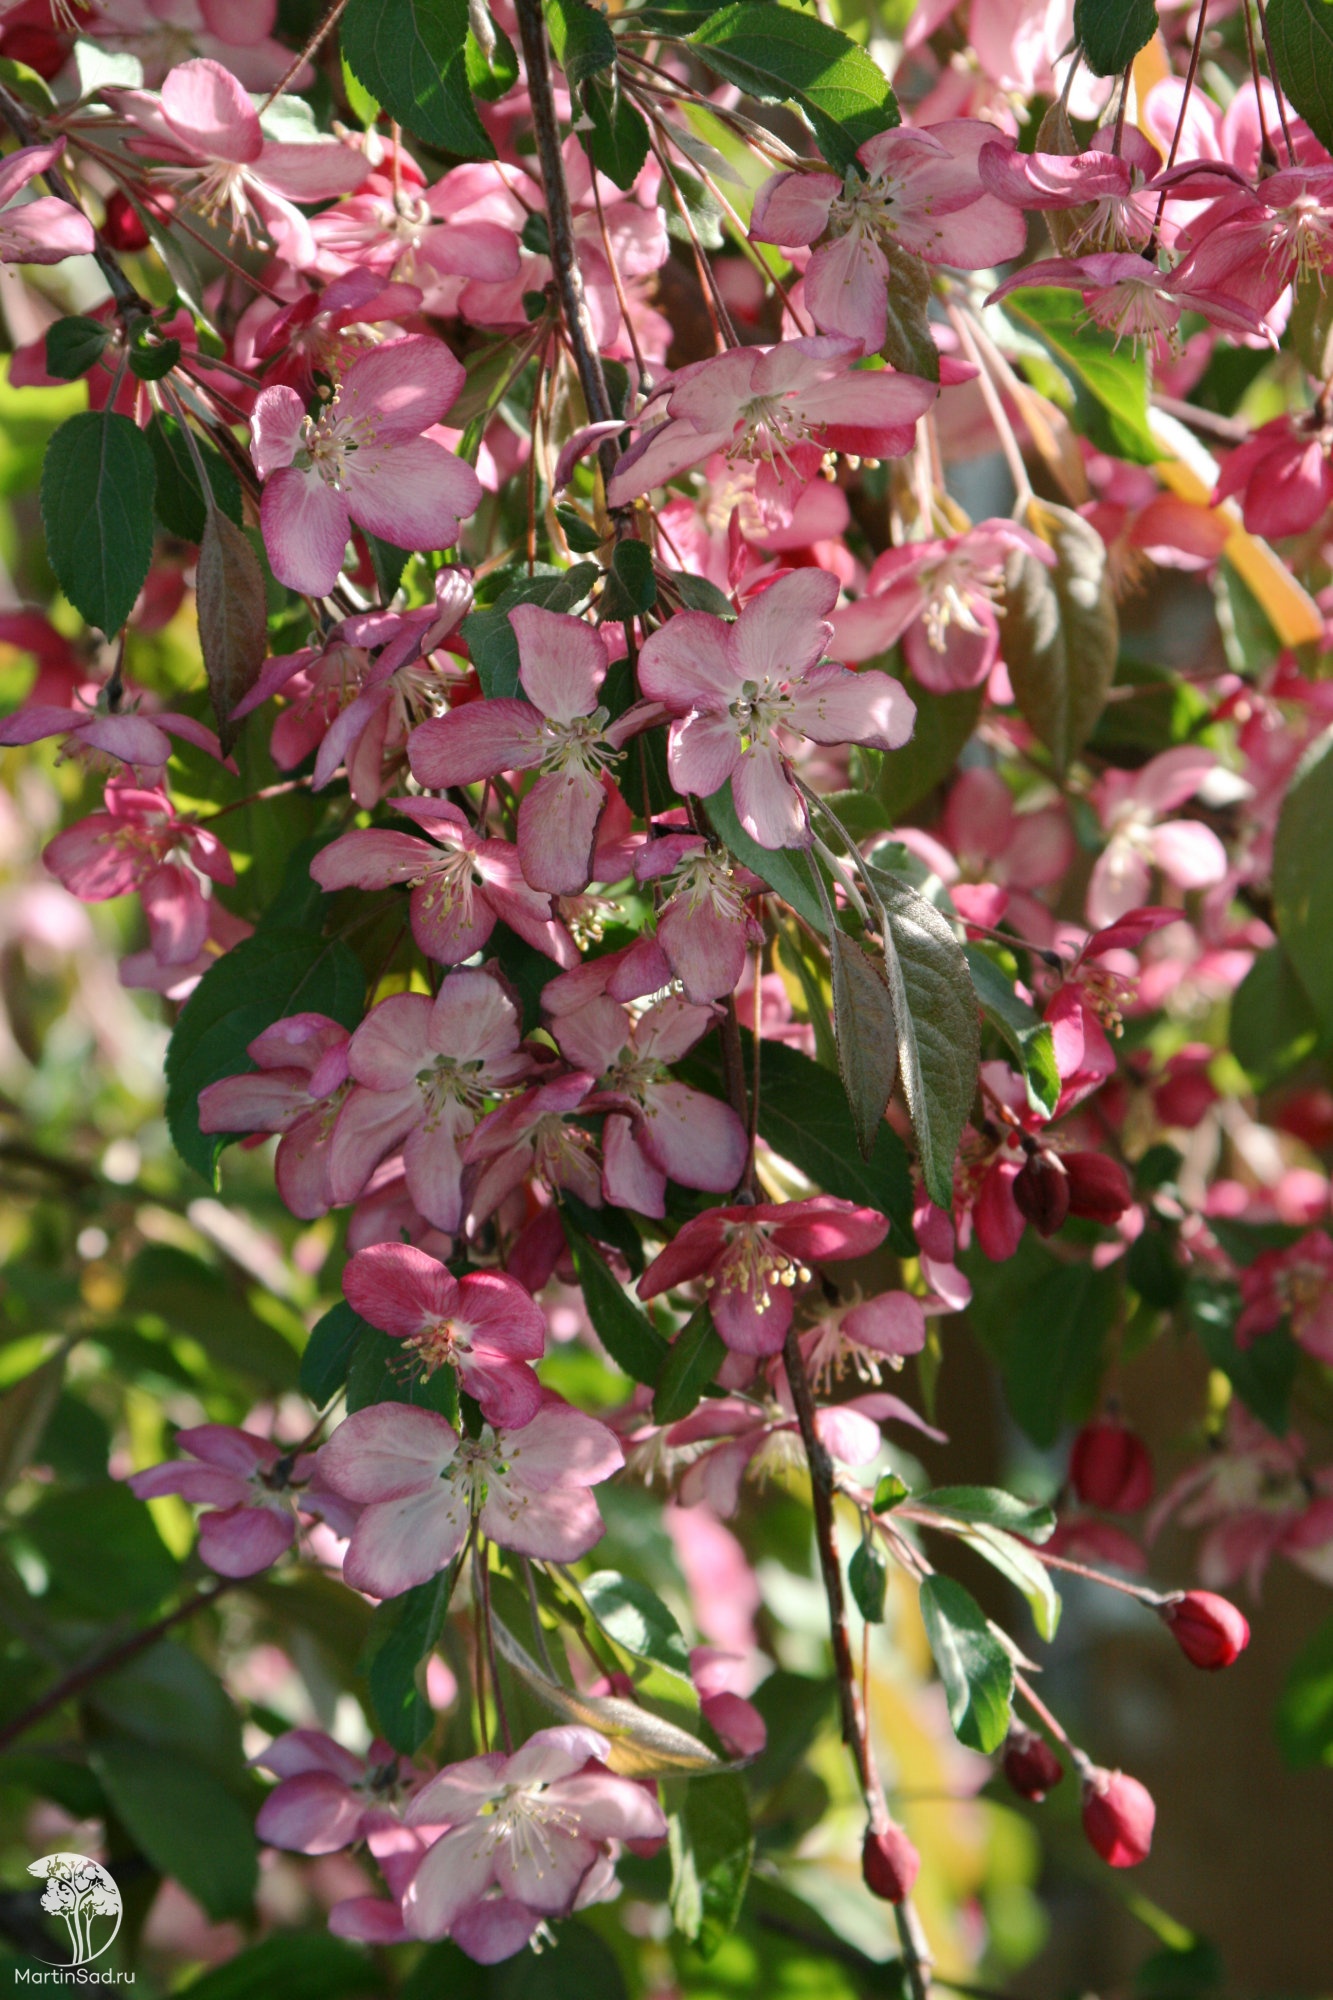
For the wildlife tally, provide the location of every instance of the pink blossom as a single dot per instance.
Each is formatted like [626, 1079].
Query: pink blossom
[1129, 804]
[420, 1486]
[1107, 185]
[109, 725]
[866, 1336]
[420, 237]
[485, 1325]
[939, 598]
[364, 460]
[782, 408]
[527, 1837]
[298, 1088]
[559, 731]
[1011, 852]
[321, 332]
[704, 927]
[132, 846]
[657, 1128]
[1294, 1284]
[731, 1438]
[1133, 299]
[425, 1071]
[920, 191]
[44, 231]
[1284, 473]
[327, 1798]
[1257, 1497]
[461, 884]
[206, 130]
[531, 1138]
[750, 1259]
[739, 688]
[254, 1494]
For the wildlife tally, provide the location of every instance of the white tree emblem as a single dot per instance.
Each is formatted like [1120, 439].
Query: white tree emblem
[84, 1895]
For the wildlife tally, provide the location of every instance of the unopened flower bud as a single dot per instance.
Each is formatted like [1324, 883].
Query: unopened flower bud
[1030, 1764]
[1118, 1816]
[889, 1863]
[122, 227]
[1209, 1630]
[1098, 1188]
[1041, 1191]
[1109, 1467]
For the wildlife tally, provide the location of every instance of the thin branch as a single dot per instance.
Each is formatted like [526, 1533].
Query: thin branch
[855, 1729]
[92, 1670]
[25, 130]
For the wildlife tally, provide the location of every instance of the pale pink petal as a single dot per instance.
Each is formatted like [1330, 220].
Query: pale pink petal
[629, 1177]
[305, 527]
[557, 830]
[311, 1813]
[393, 1043]
[833, 705]
[545, 1875]
[1119, 883]
[413, 493]
[702, 751]
[401, 388]
[782, 631]
[793, 208]
[434, 1168]
[478, 740]
[371, 858]
[22, 165]
[1189, 853]
[311, 169]
[563, 1527]
[562, 661]
[387, 1451]
[697, 1140]
[688, 663]
[399, 1289]
[892, 1323]
[846, 289]
[45, 231]
[244, 1540]
[398, 1544]
[276, 425]
[210, 113]
[453, 1875]
[767, 804]
[370, 1125]
[562, 1444]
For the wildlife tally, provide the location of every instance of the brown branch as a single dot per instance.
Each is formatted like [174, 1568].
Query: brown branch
[855, 1728]
[92, 1670]
[560, 224]
[25, 130]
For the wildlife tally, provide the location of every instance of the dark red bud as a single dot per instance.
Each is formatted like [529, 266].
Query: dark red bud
[1098, 1188]
[1041, 1191]
[889, 1863]
[1208, 1629]
[1109, 1467]
[1118, 1816]
[1030, 1764]
[122, 228]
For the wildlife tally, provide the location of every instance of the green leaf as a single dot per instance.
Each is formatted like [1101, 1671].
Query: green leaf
[608, 1226]
[780, 56]
[1301, 32]
[184, 1819]
[299, 1965]
[1303, 878]
[1023, 1568]
[617, 144]
[624, 1329]
[489, 77]
[1059, 632]
[631, 587]
[944, 722]
[581, 38]
[179, 499]
[908, 344]
[73, 345]
[712, 1846]
[637, 1620]
[1047, 1326]
[868, 1577]
[1111, 32]
[233, 621]
[490, 636]
[259, 981]
[803, 1116]
[866, 1036]
[334, 1340]
[1274, 1029]
[1020, 1027]
[195, 1298]
[691, 1363]
[101, 1548]
[1305, 1709]
[380, 1372]
[890, 1491]
[991, 1507]
[151, 363]
[403, 1634]
[578, 1966]
[785, 869]
[978, 1674]
[97, 510]
[412, 57]
[168, 1698]
[1262, 1374]
[582, 539]
[364, 108]
[1113, 377]
[935, 1021]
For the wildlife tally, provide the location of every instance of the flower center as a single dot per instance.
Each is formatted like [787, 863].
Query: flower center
[751, 1262]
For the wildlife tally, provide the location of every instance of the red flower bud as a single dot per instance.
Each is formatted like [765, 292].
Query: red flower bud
[1029, 1763]
[1208, 1629]
[122, 228]
[1098, 1188]
[1109, 1467]
[889, 1863]
[1041, 1191]
[1118, 1816]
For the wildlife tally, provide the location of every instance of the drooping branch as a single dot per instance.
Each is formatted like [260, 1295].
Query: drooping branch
[24, 128]
[855, 1726]
[579, 329]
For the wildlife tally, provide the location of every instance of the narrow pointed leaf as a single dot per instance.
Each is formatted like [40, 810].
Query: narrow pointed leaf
[977, 1672]
[863, 1024]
